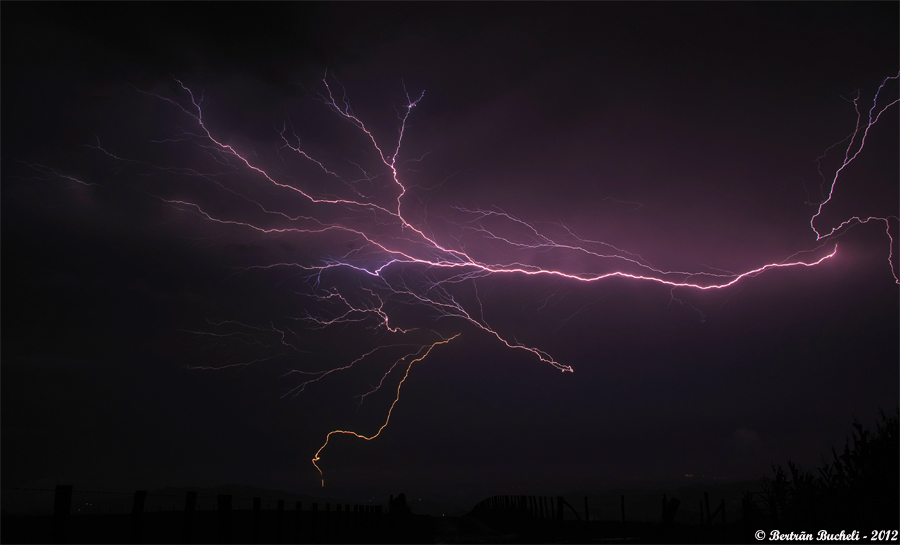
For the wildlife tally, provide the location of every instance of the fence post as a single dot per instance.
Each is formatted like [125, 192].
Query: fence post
[702, 528]
[297, 521]
[279, 522]
[190, 505]
[224, 516]
[326, 528]
[312, 522]
[257, 508]
[587, 514]
[623, 515]
[706, 501]
[724, 520]
[137, 515]
[62, 508]
[663, 517]
[347, 521]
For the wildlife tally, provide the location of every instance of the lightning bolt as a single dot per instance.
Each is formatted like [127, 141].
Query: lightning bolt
[402, 262]
[316, 458]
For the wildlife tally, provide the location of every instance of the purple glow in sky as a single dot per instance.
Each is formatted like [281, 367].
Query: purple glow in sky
[698, 217]
[424, 259]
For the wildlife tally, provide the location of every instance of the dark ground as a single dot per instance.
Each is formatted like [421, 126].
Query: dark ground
[166, 527]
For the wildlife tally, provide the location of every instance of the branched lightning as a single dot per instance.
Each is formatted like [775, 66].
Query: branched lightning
[316, 458]
[405, 262]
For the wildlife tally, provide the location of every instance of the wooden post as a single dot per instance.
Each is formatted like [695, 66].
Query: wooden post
[312, 523]
[724, 521]
[622, 502]
[670, 507]
[279, 522]
[137, 515]
[298, 521]
[62, 508]
[702, 528]
[706, 500]
[587, 514]
[190, 506]
[224, 516]
[326, 528]
[338, 522]
[662, 517]
[257, 508]
[390, 514]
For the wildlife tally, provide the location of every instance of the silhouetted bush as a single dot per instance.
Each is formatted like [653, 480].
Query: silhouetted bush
[860, 489]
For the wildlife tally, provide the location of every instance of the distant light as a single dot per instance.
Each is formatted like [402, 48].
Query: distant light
[688, 474]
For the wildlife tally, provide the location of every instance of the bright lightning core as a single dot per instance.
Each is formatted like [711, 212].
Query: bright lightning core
[377, 254]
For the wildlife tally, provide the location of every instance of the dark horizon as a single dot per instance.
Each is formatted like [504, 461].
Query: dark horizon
[692, 137]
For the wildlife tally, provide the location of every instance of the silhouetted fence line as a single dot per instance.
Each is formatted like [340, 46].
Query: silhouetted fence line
[205, 516]
[321, 522]
[616, 515]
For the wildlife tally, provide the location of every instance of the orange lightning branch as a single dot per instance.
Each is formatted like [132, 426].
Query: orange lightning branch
[316, 458]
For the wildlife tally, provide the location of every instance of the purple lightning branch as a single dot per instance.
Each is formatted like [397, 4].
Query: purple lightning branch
[403, 263]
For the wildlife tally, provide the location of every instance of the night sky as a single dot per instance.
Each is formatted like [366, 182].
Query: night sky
[683, 136]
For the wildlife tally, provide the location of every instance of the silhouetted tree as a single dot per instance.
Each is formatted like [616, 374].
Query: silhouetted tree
[860, 488]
